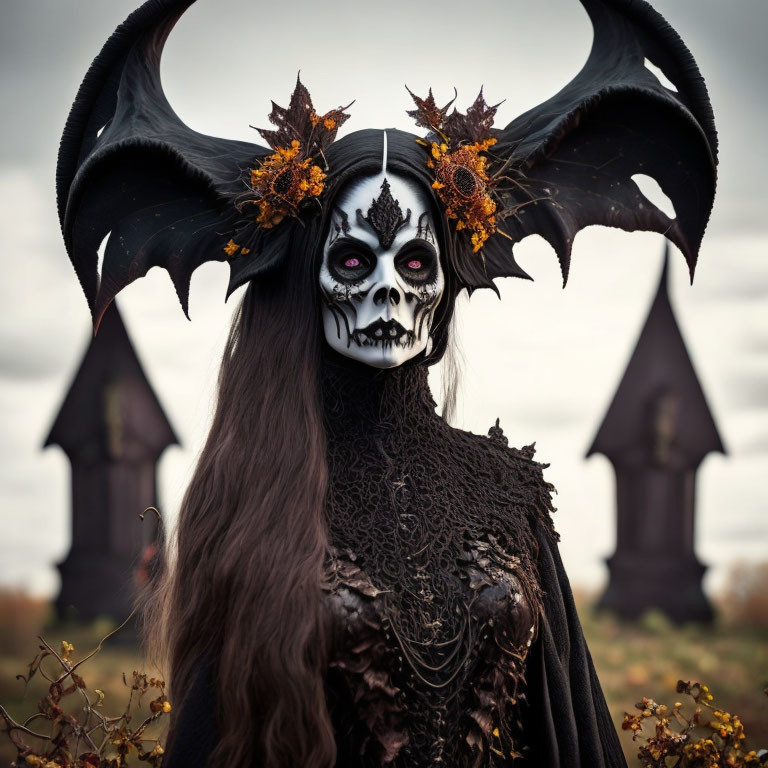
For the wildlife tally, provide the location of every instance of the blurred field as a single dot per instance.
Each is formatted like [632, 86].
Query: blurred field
[633, 660]
[648, 658]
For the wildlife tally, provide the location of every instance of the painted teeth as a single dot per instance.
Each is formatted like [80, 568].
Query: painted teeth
[383, 337]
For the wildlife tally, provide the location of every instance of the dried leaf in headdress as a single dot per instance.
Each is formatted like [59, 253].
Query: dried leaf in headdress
[475, 126]
[292, 123]
[428, 115]
[326, 126]
[299, 122]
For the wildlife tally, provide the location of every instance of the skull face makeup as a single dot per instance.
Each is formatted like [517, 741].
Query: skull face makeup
[381, 277]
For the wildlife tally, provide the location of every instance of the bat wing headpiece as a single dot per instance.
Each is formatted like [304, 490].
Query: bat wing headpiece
[171, 197]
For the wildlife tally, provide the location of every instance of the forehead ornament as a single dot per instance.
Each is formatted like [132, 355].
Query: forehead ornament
[385, 216]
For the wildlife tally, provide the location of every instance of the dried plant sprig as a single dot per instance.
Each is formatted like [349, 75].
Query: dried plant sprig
[459, 162]
[427, 114]
[708, 737]
[91, 739]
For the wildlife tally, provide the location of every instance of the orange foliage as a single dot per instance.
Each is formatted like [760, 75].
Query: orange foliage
[21, 620]
[744, 600]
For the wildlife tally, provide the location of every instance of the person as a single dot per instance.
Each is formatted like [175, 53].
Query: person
[354, 582]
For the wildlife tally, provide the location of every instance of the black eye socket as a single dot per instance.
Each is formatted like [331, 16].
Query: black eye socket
[417, 262]
[350, 263]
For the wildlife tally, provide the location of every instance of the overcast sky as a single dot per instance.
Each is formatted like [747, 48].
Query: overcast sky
[546, 361]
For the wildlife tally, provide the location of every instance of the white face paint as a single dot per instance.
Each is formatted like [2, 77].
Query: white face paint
[381, 277]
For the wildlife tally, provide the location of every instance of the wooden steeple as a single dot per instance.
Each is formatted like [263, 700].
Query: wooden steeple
[656, 432]
[113, 430]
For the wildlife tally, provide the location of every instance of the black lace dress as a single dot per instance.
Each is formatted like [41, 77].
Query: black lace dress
[456, 642]
[432, 578]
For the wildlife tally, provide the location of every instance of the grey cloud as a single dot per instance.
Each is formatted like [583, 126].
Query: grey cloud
[754, 447]
[744, 533]
[19, 362]
[45, 49]
[756, 345]
[534, 415]
[741, 289]
[746, 392]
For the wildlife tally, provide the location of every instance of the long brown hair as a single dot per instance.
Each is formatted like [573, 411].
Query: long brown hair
[242, 587]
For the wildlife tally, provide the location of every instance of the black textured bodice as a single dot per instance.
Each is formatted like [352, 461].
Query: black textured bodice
[431, 579]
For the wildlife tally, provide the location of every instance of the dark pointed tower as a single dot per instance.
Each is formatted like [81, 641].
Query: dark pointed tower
[656, 433]
[113, 430]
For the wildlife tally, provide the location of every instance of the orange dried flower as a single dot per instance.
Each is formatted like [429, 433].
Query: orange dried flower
[462, 184]
[329, 120]
[66, 649]
[281, 183]
[231, 248]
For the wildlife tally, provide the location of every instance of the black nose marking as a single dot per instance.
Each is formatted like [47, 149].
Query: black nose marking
[383, 295]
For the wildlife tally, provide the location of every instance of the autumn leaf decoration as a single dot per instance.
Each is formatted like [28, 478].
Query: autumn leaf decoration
[457, 148]
[290, 177]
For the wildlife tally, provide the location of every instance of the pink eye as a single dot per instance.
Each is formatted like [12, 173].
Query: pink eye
[414, 264]
[352, 262]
